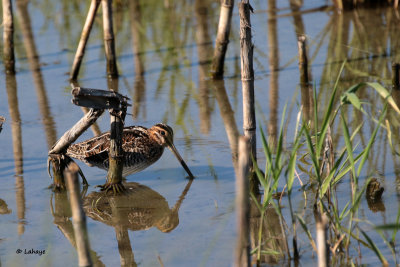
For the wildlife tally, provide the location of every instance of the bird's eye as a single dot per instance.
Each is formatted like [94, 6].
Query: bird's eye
[162, 133]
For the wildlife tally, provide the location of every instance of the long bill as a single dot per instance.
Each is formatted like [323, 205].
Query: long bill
[178, 156]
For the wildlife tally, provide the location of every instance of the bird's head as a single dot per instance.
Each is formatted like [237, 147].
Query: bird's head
[164, 136]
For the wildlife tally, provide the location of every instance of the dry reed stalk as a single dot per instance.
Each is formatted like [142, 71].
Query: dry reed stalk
[78, 216]
[338, 4]
[114, 175]
[247, 73]
[306, 94]
[303, 61]
[109, 40]
[95, 127]
[222, 40]
[321, 225]
[80, 51]
[116, 153]
[8, 38]
[72, 134]
[273, 51]
[242, 254]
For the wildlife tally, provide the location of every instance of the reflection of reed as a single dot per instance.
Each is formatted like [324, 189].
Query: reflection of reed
[204, 52]
[137, 39]
[305, 72]
[124, 247]
[61, 213]
[78, 216]
[228, 117]
[274, 71]
[34, 64]
[20, 200]
[272, 236]
[11, 86]
[298, 23]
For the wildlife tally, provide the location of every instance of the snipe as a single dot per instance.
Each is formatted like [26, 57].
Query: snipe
[142, 147]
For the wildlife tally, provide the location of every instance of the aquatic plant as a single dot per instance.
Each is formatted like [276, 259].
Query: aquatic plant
[312, 153]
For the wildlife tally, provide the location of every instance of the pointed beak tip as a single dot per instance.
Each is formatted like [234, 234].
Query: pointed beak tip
[180, 159]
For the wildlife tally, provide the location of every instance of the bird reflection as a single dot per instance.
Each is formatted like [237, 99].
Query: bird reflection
[4, 207]
[139, 208]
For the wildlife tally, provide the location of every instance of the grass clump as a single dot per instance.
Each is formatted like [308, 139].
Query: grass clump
[312, 152]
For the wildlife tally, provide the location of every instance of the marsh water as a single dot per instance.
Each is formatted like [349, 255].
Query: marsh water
[164, 51]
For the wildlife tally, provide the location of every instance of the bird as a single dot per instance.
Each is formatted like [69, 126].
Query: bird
[141, 148]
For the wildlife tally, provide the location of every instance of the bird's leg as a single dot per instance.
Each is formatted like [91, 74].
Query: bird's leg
[116, 153]
[114, 177]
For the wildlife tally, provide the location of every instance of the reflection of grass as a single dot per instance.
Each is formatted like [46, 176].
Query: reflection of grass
[312, 153]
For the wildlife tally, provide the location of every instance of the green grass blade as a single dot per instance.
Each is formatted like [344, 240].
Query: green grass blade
[280, 140]
[385, 94]
[313, 155]
[375, 249]
[292, 163]
[371, 141]
[388, 226]
[358, 196]
[307, 231]
[349, 146]
[326, 120]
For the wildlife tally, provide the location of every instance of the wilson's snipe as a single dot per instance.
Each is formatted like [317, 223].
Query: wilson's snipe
[142, 147]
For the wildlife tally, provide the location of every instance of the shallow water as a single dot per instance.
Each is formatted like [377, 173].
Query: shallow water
[163, 60]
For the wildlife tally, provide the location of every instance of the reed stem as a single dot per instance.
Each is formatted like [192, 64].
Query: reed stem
[116, 152]
[72, 134]
[109, 41]
[222, 39]
[8, 37]
[321, 225]
[94, 5]
[306, 92]
[247, 73]
[242, 255]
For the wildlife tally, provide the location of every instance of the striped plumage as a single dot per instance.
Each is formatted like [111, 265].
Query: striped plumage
[142, 147]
